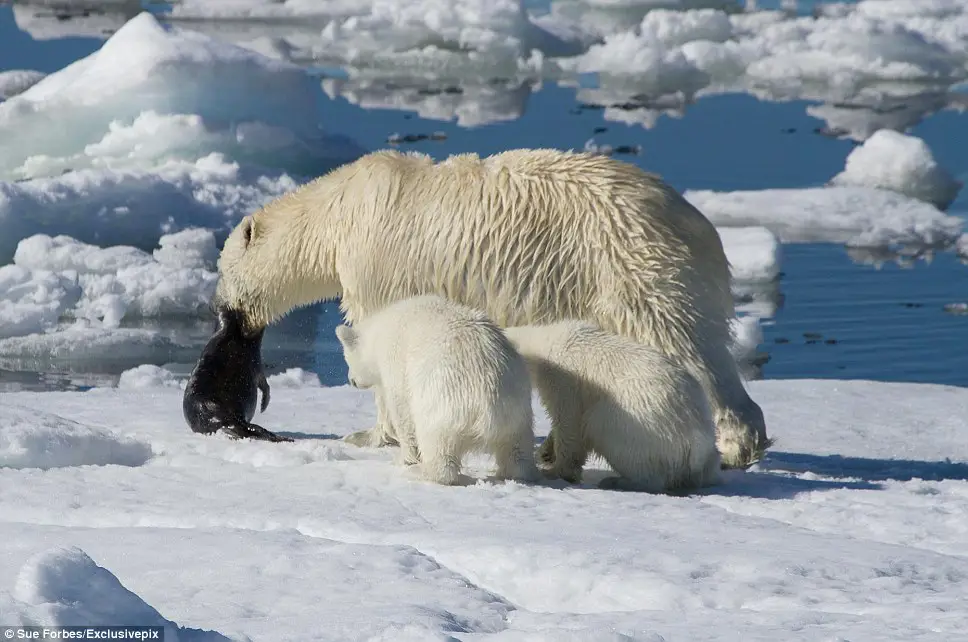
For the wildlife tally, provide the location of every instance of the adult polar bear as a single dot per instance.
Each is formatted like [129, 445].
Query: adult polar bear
[528, 236]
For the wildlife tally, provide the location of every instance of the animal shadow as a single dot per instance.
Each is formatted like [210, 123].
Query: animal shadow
[864, 468]
[301, 436]
[764, 483]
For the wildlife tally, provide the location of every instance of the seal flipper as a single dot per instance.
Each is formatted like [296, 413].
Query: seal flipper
[243, 430]
[258, 432]
[264, 387]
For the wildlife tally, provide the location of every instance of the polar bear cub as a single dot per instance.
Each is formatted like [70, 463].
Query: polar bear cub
[637, 408]
[449, 383]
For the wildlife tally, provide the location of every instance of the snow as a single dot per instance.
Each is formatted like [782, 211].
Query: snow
[37, 439]
[849, 529]
[64, 584]
[65, 301]
[753, 252]
[32, 302]
[18, 81]
[902, 163]
[119, 282]
[747, 334]
[295, 378]
[135, 206]
[87, 343]
[147, 376]
[180, 89]
[183, 130]
[873, 69]
[770, 48]
[191, 248]
[855, 215]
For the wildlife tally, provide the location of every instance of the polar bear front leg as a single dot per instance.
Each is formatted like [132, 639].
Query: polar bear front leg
[380, 435]
[565, 452]
[399, 417]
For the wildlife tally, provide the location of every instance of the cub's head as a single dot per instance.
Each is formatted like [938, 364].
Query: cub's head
[361, 374]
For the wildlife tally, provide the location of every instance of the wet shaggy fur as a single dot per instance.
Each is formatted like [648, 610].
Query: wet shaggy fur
[638, 409]
[526, 236]
[449, 383]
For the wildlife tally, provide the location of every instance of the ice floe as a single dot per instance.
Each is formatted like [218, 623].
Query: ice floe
[84, 344]
[36, 439]
[148, 376]
[753, 252]
[18, 81]
[855, 215]
[64, 302]
[874, 63]
[901, 163]
[160, 129]
[852, 526]
[123, 282]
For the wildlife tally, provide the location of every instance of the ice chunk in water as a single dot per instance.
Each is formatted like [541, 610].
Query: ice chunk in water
[901, 163]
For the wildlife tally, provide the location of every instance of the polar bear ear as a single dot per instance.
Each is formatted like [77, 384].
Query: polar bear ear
[248, 230]
[346, 335]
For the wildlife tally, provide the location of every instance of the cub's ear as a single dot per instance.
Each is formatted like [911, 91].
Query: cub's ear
[347, 336]
[248, 231]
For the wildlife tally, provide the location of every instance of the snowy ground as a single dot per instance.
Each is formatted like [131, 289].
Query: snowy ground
[112, 203]
[852, 529]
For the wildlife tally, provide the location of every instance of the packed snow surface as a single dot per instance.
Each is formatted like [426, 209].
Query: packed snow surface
[902, 163]
[852, 528]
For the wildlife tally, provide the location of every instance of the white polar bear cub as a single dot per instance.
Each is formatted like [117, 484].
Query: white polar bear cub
[637, 408]
[449, 382]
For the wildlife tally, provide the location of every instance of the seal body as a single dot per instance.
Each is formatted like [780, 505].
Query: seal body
[223, 390]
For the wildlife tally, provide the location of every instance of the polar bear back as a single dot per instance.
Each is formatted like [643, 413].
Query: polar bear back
[527, 236]
[603, 365]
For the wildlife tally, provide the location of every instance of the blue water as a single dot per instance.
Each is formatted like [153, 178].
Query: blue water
[861, 321]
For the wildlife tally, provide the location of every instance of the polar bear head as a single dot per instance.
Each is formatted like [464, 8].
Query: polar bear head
[272, 262]
[362, 374]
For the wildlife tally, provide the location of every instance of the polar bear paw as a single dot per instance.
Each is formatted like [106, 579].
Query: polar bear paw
[371, 438]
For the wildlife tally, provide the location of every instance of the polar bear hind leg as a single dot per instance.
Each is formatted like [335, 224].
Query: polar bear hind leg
[439, 438]
[628, 449]
[515, 453]
[741, 428]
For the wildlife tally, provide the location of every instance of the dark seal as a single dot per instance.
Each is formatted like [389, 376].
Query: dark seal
[223, 389]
